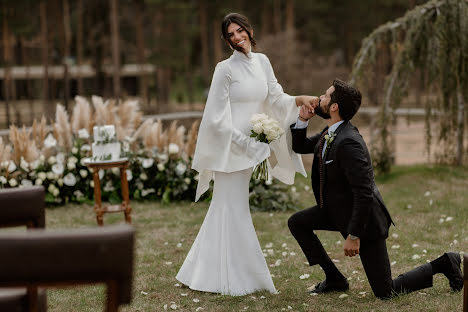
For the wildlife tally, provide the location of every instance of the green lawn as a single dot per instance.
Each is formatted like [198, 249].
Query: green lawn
[418, 197]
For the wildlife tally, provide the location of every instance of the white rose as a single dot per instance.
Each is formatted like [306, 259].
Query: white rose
[146, 192]
[41, 175]
[69, 179]
[42, 158]
[83, 173]
[85, 148]
[257, 128]
[73, 159]
[71, 166]
[115, 171]
[50, 175]
[78, 194]
[162, 157]
[180, 168]
[13, 182]
[83, 161]
[24, 164]
[173, 148]
[26, 182]
[101, 174]
[58, 168]
[129, 175]
[91, 183]
[187, 180]
[74, 150]
[147, 162]
[60, 182]
[60, 157]
[161, 167]
[143, 176]
[258, 118]
[50, 141]
[34, 164]
[52, 160]
[38, 181]
[83, 134]
[11, 166]
[3, 180]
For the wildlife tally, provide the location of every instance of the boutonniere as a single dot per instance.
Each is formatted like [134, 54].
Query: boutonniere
[329, 138]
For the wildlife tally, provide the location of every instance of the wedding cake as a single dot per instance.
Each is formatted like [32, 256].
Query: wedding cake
[105, 146]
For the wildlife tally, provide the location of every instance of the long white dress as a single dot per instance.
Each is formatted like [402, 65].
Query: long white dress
[226, 256]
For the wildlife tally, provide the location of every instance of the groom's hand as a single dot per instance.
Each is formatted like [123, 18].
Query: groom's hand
[351, 247]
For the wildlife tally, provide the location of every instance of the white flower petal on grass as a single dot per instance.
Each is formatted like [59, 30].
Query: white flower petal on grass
[395, 246]
[409, 206]
[343, 296]
[441, 220]
[393, 263]
[179, 245]
[355, 272]
[415, 257]
[363, 292]
[262, 297]
[144, 293]
[292, 253]
[304, 276]
[336, 260]
[313, 294]
[415, 245]
[448, 219]
[174, 306]
[422, 293]
[427, 194]
[289, 307]
[184, 295]
[176, 285]
[199, 309]
[269, 245]
[395, 235]
[338, 242]
[168, 263]
[284, 253]
[196, 300]
[165, 307]
[283, 245]
[431, 202]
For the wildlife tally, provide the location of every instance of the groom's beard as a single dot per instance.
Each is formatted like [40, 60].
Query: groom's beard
[319, 111]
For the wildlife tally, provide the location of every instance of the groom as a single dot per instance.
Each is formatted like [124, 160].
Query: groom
[349, 202]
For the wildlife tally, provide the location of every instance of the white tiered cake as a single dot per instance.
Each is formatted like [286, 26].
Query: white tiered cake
[105, 146]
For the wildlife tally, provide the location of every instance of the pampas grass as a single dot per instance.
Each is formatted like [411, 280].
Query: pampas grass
[39, 132]
[128, 118]
[23, 145]
[82, 115]
[5, 152]
[192, 139]
[63, 128]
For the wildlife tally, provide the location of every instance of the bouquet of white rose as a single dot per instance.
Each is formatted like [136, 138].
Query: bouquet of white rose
[266, 130]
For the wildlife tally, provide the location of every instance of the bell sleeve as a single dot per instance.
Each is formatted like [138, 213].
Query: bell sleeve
[220, 146]
[282, 107]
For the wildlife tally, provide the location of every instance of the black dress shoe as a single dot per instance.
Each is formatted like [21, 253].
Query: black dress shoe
[453, 272]
[332, 285]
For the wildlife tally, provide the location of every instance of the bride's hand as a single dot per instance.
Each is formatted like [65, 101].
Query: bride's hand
[308, 101]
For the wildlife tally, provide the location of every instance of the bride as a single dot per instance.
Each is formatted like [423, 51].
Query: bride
[226, 256]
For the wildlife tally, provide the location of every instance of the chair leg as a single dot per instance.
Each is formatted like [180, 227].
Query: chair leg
[112, 304]
[32, 299]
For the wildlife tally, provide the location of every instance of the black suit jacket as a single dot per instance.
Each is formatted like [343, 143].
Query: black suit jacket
[351, 199]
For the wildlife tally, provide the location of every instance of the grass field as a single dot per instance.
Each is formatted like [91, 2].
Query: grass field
[428, 204]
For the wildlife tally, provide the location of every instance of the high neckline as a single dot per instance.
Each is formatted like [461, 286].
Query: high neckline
[242, 56]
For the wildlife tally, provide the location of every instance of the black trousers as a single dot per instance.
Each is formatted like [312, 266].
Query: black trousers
[373, 254]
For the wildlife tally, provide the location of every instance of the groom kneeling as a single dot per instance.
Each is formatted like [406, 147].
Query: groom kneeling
[350, 203]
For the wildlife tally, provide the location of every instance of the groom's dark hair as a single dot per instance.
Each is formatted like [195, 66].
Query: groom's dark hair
[347, 98]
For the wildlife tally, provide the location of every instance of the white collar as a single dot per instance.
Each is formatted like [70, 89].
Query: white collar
[242, 56]
[335, 126]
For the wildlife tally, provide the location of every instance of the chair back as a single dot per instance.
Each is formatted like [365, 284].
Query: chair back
[22, 206]
[54, 258]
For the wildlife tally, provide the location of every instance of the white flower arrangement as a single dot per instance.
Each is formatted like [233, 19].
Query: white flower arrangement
[266, 130]
[173, 148]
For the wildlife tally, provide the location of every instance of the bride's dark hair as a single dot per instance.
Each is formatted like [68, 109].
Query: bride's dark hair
[243, 22]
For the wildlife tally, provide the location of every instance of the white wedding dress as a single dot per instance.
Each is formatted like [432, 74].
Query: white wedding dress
[226, 256]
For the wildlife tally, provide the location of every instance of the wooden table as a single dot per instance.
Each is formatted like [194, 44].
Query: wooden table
[101, 209]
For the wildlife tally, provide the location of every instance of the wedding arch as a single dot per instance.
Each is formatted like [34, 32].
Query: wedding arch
[427, 48]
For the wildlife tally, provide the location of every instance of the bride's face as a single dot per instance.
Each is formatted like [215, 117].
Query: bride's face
[238, 36]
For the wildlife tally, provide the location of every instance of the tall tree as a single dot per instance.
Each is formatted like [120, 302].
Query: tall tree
[45, 57]
[205, 46]
[115, 38]
[431, 38]
[66, 54]
[79, 44]
[140, 8]
[7, 61]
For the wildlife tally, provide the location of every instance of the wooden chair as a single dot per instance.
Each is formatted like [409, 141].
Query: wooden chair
[465, 282]
[22, 207]
[63, 258]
